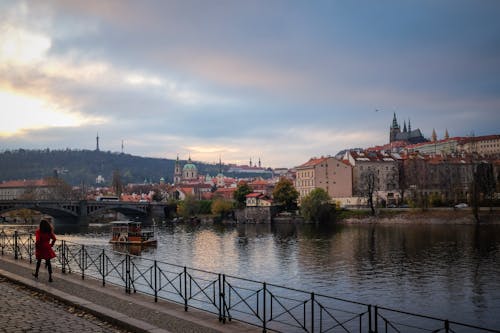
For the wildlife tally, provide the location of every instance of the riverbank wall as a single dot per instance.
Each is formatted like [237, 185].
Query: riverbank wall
[431, 216]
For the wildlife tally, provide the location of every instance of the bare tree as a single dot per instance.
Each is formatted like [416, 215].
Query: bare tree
[483, 183]
[368, 185]
[416, 175]
[117, 183]
[57, 189]
[402, 184]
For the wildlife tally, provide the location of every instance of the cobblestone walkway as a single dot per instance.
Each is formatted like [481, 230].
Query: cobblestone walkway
[25, 310]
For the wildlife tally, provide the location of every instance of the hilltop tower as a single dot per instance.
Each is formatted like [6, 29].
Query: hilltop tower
[97, 142]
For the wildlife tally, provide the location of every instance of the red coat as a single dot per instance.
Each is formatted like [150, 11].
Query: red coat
[43, 245]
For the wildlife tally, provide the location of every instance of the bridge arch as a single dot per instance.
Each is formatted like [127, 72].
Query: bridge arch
[78, 211]
[95, 210]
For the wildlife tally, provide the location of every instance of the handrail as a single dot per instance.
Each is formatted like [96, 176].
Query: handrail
[268, 306]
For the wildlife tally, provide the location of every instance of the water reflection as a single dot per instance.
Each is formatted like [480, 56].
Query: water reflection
[132, 249]
[443, 270]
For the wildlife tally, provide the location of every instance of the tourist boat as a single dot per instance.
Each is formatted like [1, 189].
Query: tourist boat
[130, 232]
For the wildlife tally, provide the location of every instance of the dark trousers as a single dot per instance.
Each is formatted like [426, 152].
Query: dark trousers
[47, 264]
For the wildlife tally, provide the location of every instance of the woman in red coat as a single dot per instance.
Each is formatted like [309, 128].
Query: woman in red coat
[44, 240]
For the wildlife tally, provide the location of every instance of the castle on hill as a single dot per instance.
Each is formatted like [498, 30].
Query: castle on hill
[405, 134]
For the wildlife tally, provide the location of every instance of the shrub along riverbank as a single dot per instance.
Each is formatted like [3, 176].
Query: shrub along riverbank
[418, 216]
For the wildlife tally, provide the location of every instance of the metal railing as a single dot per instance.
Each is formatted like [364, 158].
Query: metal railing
[268, 306]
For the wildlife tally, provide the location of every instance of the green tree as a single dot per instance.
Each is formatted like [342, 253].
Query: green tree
[241, 192]
[188, 207]
[205, 206]
[221, 207]
[157, 197]
[285, 194]
[316, 206]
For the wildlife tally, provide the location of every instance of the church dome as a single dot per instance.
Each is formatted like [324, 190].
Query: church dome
[189, 167]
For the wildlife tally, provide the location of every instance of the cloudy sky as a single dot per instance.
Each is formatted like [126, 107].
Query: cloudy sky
[277, 80]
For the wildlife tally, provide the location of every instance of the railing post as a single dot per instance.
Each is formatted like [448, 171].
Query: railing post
[102, 269]
[155, 282]
[446, 326]
[376, 319]
[370, 318]
[82, 261]
[224, 296]
[128, 282]
[185, 290]
[63, 256]
[30, 247]
[264, 296]
[312, 312]
[221, 295]
[15, 245]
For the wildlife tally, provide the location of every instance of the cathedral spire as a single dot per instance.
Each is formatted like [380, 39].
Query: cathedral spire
[404, 127]
[394, 121]
[434, 136]
[446, 135]
[409, 125]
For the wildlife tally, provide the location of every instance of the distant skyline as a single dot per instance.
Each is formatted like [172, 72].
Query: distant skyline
[282, 81]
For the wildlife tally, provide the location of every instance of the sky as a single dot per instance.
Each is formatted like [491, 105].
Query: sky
[279, 81]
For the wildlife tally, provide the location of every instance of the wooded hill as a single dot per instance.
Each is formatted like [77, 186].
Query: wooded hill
[83, 166]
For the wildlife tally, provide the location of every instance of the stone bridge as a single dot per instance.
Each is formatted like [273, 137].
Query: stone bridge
[78, 211]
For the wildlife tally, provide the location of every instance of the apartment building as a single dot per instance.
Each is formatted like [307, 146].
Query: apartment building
[482, 145]
[328, 173]
[25, 189]
[384, 167]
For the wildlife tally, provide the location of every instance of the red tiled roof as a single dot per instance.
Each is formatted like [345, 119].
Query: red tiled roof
[226, 189]
[207, 195]
[24, 183]
[312, 162]
[479, 138]
[371, 156]
[259, 182]
[254, 195]
[429, 143]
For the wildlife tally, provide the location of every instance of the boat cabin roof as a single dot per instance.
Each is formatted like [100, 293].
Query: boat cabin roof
[124, 223]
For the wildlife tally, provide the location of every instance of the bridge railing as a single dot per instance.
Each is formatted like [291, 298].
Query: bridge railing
[268, 306]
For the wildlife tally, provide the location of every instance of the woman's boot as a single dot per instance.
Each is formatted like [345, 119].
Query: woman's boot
[37, 268]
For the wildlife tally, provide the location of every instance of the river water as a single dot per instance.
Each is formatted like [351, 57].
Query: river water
[446, 271]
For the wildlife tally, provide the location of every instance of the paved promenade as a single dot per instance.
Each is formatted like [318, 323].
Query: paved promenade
[76, 305]
[26, 310]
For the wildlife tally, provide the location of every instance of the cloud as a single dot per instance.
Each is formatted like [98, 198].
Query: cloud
[247, 79]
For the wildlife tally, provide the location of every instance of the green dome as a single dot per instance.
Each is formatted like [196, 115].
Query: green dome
[189, 166]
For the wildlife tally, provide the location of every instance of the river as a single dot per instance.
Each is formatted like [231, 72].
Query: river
[442, 270]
